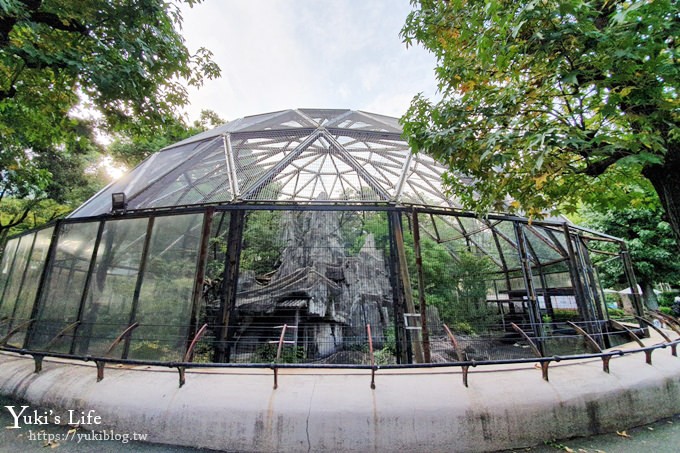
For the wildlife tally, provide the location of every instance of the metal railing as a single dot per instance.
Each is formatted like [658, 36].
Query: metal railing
[463, 362]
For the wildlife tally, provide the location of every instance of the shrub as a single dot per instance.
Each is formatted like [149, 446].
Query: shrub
[667, 298]
[616, 313]
[289, 354]
[562, 315]
[675, 309]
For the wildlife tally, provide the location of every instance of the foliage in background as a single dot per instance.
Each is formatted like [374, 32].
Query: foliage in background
[130, 149]
[262, 245]
[666, 299]
[651, 245]
[551, 102]
[123, 60]
[457, 287]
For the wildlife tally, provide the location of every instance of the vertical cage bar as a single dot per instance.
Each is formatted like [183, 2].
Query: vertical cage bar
[421, 290]
[405, 279]
[23, 279]
[632, 281]
[229, 284]
[11, 269]
[403, 350]
[534, 312]
[581, 300]
[200, 275]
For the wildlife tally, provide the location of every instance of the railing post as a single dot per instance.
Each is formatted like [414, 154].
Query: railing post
[459, 353]
[278, 356]
[370, 351]
[537, 352]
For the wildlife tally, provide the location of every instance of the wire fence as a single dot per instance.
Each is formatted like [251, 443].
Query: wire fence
[300, 345]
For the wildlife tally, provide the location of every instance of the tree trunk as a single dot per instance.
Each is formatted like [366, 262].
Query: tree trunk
[648, 295]
[666, 181]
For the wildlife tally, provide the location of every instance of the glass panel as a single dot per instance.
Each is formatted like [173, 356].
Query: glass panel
[64, 286]
[208, 309]
[164, 308]
[6, 271]
[106, 312]
[26, 299]
[16, 280]
[139, 179]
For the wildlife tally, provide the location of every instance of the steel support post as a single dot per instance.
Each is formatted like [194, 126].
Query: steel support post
[632, 281]
[406, 281]
[200, 275]
[229, 284]
[582, 300]
[138, 284]
[23, 280]
[534, 312]
[11, 270]
[403, 349]
[425, 334]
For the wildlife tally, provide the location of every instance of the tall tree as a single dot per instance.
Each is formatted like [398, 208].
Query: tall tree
[550, 102]
[124, 59]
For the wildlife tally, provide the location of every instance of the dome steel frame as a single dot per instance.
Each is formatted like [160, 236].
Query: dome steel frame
[141, 278]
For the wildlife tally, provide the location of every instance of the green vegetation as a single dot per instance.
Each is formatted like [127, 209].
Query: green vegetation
[266, 353]
[666, 299]
[124, 61]
[262, 245]
[552, 103]
[456, 280]
[651, 245]
[562, 315]
[616, 313]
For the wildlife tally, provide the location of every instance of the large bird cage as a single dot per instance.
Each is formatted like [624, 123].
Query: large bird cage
[322, 221]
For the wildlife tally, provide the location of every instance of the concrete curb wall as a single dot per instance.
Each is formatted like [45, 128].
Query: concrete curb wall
[336, 410]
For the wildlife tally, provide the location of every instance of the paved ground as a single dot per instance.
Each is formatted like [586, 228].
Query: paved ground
[660, 437]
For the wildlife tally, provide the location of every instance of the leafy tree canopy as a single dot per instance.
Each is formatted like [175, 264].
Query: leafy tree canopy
[551, 102]
[131, 149]
[124, 60]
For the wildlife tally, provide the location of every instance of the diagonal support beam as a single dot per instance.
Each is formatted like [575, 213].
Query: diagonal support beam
[345, 156]
[279, 167]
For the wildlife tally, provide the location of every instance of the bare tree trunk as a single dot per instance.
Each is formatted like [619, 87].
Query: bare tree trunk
[666, 181]
[648, 295]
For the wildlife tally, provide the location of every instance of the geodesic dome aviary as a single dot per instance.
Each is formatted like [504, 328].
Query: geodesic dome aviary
[319, 220]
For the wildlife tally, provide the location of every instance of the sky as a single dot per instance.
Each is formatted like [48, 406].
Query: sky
[282, 54]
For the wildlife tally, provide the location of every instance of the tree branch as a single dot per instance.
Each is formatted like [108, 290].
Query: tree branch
[599, 167]
[54, 21]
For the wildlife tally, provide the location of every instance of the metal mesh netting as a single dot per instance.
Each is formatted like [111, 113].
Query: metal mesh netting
[322, 274]
[306, 219]
[19, 294]
[65, 284]
[141, 287]
[304, 155]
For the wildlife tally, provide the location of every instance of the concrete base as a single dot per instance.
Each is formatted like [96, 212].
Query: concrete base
[336, 410]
